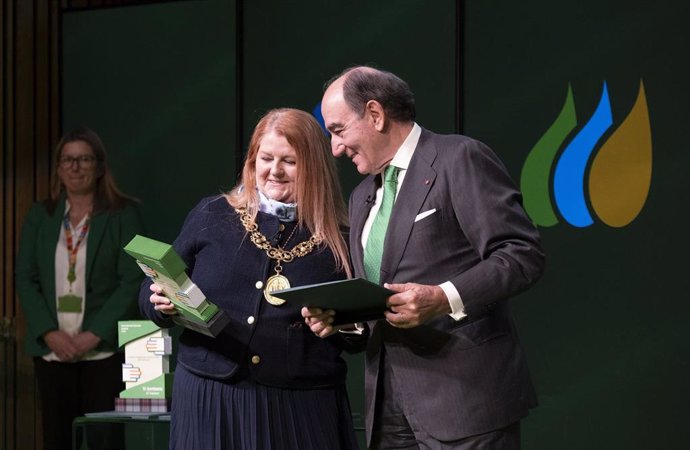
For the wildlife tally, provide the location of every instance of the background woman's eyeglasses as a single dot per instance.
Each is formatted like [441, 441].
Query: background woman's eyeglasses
[85, 161]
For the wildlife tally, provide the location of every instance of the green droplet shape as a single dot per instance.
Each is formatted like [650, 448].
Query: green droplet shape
[536, 172]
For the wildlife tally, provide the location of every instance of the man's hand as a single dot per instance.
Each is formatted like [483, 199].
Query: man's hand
[415, 304]
[61, 344]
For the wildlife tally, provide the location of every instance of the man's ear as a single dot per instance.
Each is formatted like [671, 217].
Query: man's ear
[377, 115]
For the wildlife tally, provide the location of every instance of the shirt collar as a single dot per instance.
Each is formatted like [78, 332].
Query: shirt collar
[285, 212]
[404, 154]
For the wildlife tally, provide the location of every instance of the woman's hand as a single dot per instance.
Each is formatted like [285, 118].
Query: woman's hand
[85, 341]
[61, 344]
[319, 321]
[161, 303]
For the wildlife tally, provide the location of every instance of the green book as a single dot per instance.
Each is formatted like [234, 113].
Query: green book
[165, 267]
[354, 300]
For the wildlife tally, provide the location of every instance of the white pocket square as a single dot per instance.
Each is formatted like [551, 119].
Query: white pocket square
[420, 216]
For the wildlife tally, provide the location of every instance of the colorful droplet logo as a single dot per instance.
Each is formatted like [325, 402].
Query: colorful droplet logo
[615, 175]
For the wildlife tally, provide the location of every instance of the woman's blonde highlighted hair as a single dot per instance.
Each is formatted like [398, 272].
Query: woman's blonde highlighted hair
[320, 205]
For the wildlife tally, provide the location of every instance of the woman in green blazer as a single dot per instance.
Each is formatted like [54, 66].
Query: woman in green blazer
[75, 283]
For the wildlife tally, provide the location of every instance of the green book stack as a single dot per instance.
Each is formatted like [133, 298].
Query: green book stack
[146, 370]
[163, 265]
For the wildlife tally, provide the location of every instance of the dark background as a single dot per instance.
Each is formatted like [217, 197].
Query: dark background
[605, 329]
[175, 89]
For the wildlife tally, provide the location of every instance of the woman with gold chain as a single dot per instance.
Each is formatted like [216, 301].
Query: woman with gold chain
[266, 381]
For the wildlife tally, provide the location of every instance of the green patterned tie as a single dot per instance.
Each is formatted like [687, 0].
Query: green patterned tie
[374, 248]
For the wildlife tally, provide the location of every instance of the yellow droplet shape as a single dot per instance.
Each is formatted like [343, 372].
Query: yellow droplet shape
[621, 172]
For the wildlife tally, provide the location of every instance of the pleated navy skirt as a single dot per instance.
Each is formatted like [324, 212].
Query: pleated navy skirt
[208, 414]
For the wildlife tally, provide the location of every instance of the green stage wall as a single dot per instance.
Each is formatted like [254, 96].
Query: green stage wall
[604, 328]
[157, 82]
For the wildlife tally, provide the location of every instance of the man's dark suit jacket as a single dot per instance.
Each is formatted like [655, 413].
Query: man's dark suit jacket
[465, 377]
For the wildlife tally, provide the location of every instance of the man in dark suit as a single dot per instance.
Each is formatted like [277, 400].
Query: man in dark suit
[445, 369]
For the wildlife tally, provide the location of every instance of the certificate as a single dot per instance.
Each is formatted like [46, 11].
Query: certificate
[355, 300]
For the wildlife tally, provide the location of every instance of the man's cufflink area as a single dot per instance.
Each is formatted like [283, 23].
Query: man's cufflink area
[356, 328]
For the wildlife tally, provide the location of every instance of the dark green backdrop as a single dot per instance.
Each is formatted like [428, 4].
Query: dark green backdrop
[604, 329]
[157, 83]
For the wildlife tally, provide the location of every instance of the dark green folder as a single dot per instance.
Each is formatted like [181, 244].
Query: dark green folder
[355, 300]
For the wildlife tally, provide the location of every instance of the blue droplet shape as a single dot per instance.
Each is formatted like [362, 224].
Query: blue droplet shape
[316, 112]
[569, 175]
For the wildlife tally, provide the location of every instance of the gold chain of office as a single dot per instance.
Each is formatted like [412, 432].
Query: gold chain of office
[262, 242]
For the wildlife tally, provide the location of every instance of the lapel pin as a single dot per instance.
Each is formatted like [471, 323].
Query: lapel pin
[426, 181]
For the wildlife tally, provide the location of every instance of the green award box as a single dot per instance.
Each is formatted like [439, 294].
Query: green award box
[163, 265]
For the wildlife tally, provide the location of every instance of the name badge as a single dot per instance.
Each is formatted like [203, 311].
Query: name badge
[69, 303]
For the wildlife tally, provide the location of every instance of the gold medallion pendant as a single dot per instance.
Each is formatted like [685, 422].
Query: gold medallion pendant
[278, 254]
[275, 283]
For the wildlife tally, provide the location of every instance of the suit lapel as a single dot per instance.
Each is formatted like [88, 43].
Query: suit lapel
[50, 241]
[418, 181]
[96, 229]
[360, 207]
